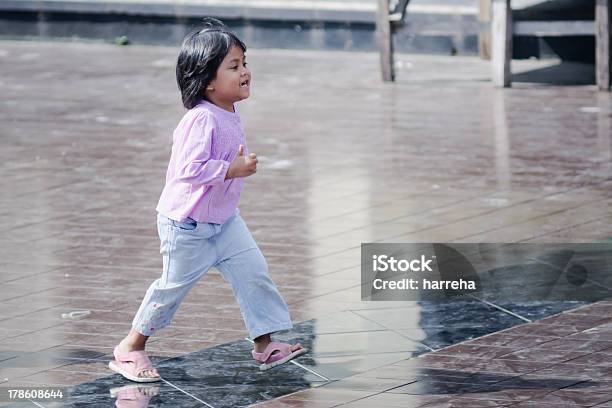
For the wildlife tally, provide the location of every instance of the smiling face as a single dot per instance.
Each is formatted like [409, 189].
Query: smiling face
[232, 82]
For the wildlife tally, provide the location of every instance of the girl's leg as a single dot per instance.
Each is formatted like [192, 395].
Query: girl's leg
[187, 255]
[243, 265]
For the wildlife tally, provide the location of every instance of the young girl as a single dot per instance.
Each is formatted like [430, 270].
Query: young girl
[198, 221]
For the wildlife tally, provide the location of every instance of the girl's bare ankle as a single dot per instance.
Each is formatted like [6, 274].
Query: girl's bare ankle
[134, 341]
[261, 343]
[127, 345]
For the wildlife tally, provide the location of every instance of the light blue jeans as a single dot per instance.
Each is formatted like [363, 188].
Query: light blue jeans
[189, 249]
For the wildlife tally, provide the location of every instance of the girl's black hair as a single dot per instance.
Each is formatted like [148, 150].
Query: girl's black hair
[202, 52]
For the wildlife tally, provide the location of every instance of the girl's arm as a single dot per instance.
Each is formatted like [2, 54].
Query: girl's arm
[194, 163]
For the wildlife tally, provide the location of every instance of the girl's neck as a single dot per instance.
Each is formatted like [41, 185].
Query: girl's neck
[223, 105]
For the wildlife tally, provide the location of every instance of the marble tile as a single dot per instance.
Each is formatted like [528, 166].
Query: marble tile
[338, 367]
[477, 351]
[439, 315]
[330, 395]
[535, 310]
[543, 354]
[355, 343]
[440, 338]
[425, 387]
[373, 385]
[502, 339]
[389, 400]
[572, 370]
[564, 398]
[466, 402]
[344, 322]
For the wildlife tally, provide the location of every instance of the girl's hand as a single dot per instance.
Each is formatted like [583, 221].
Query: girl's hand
[242, 166]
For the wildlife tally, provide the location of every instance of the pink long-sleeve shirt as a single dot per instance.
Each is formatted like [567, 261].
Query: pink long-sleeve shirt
[204, 144]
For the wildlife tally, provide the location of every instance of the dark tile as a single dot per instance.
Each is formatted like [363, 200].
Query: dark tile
[564, 398]
[543, 355]
[425, 387]
[477, 351]
[581, 371]
[592, 386]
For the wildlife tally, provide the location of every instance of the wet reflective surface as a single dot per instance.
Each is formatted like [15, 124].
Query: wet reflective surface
[349, 352]
[440, 156]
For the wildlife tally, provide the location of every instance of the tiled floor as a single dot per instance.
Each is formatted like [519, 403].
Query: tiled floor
[440, 156]
[518, 367]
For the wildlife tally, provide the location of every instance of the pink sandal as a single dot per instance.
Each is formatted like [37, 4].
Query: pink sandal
[285, 353]
[139, 362]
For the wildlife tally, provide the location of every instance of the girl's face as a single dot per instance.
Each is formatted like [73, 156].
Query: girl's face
[232, 82]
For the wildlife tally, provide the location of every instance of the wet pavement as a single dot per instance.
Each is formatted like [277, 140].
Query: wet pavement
[560, 361]
[439, 156]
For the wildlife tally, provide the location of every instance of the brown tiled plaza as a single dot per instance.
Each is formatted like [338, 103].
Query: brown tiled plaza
[438, 156]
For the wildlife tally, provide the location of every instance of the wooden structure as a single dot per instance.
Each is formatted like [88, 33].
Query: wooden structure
[503, 29]
[484, 34]
[388, 19]
[390, 16]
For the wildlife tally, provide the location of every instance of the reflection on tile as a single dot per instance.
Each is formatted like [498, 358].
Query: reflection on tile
[338, 367]
[224, 376]
[344, 322]
[134, 395]
[339, 355]
[86, 395]
[437, 339]
[372, 384]
[536, 310]
[399, 400]
[442, 315]
[349, 348]
[440, 324]
[435, 387]
[362, 343]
